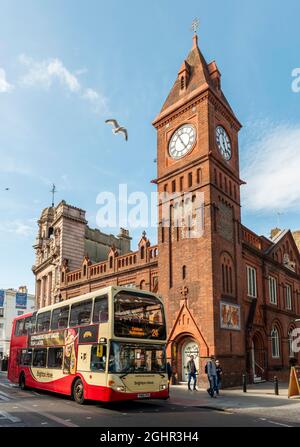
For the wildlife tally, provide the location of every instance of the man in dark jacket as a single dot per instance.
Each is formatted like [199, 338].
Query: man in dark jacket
[212, 376]
[219, 375]
[192, 370]
[169, 371]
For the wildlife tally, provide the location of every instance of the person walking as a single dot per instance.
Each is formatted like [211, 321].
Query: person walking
[219, 375]
[169, 371]
[192, 370]
[211, 371]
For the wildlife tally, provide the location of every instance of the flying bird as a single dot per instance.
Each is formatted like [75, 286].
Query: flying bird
[6, 189]
[117, 128]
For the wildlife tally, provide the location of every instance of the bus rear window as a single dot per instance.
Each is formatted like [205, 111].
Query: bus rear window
[23, 326]
[43, 321]
[81, 313]
[19, 329]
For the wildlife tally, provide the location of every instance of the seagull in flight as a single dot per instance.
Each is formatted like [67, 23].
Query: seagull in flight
[6, 189]
[117, 128]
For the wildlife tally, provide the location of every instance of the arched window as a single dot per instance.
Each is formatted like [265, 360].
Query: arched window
[275, 341]
[142, 252]
[50, 232]
[183, 271]
[290, 342]
[227, 274]
[84, 270]
[198, 176]
[111, 262]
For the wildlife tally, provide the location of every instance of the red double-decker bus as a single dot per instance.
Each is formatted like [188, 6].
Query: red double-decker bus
[107, 345]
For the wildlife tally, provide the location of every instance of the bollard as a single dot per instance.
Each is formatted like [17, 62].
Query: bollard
[244, 383]
[276, 389]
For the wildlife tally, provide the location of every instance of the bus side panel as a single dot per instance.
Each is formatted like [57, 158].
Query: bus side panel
[62, 385]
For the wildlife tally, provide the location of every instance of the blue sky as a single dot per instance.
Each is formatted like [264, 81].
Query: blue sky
[66, 66]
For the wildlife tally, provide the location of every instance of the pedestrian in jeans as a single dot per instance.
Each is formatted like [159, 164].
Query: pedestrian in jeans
[212, 376]
[192, 370]
[219, 375]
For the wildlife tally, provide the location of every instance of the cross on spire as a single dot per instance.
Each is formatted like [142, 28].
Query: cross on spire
[53, 191]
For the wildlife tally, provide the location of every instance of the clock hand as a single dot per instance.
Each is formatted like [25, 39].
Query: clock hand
[181, 141]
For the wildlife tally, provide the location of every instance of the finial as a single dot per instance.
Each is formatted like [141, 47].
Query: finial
[144, 234]
[194, 27]
[53, 191]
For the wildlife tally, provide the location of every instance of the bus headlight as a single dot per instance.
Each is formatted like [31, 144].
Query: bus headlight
[163, 387]
[120, 388]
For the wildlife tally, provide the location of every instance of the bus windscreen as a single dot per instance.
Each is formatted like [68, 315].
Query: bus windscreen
[132, 358]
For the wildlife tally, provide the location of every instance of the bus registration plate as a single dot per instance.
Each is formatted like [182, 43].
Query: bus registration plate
[143, 395]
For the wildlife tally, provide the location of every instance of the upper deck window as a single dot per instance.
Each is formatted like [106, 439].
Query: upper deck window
[81, 313]
[43, 321]
[138, 316]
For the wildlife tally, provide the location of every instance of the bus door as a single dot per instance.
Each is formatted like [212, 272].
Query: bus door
[14, 361]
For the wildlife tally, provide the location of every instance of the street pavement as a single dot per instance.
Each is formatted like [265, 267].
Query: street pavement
[259, 407]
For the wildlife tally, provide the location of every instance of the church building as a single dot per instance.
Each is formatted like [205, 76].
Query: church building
[228, 292]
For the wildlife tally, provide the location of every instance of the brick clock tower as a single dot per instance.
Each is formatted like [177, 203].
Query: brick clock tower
[197, 152]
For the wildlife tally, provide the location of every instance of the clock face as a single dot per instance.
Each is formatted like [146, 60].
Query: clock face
[223, 143]
[182, 141]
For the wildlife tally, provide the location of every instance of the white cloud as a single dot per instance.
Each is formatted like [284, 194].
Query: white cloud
[5, 87]
[90, 94]
[19, 227]
[45, 73]
[272, 169]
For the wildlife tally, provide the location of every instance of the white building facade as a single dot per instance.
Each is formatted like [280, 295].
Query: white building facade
[12, 304]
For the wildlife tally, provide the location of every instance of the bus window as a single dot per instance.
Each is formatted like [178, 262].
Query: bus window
[39, 358]
[55, 357]
[101, 309]
[26, 356]
[60, 318]
[27, 326]
[81, 313]
[32, 324]
[98, 358]
[43, 321]
[19, 327]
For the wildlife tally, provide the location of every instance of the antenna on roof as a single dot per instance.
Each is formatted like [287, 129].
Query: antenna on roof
[278, 218]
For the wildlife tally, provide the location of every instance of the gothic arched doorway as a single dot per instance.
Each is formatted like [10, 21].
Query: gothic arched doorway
[258, 358]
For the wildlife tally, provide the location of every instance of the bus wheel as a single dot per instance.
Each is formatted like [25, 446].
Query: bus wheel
[22, 382]
[78, 392]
